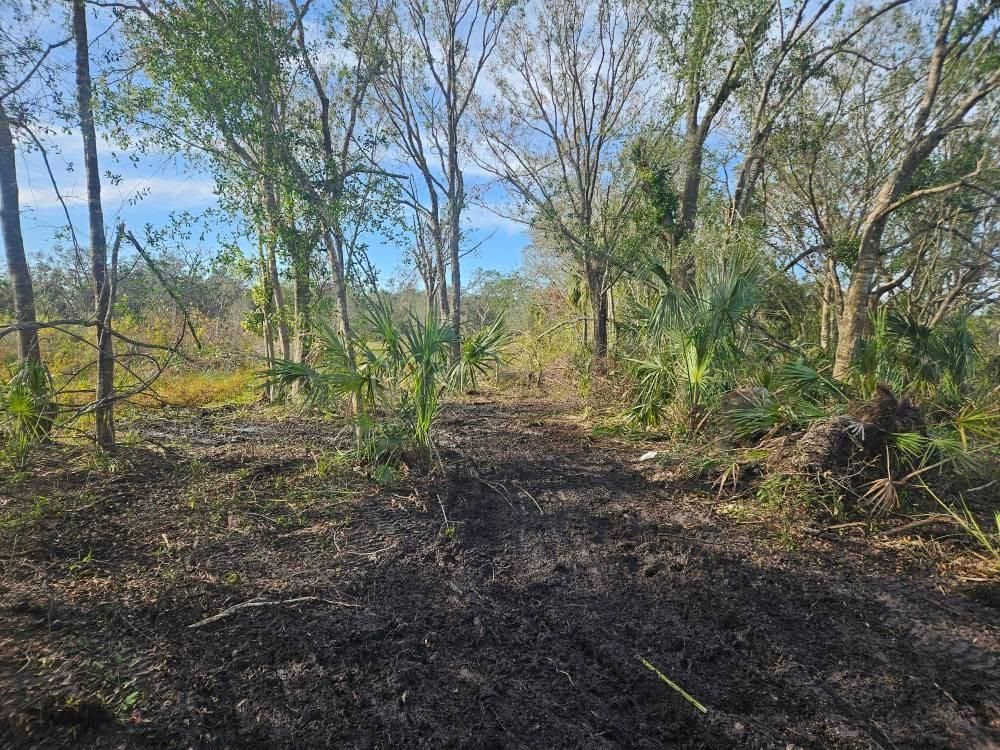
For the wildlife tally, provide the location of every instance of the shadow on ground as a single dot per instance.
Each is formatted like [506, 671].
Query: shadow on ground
[519, 622]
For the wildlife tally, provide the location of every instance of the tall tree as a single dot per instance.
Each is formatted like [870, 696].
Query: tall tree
[753, 56]
[436, 53]
[573, 93]
[24, 61]
[960, 73]
[17, 264]
[104, 414]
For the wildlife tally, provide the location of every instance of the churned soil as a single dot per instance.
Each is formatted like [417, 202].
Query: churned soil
[507, 600]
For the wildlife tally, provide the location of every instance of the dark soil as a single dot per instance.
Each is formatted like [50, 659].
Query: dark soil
[517, 622]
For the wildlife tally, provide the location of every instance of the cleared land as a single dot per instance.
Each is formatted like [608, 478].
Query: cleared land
[504, 604]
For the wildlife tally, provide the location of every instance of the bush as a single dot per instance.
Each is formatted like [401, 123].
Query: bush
[27, 412]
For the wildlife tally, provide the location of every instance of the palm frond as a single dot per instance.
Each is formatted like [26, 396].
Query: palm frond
[481, 351]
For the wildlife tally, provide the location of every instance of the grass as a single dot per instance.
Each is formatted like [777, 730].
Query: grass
[206, 387]
[683, 693]
[986, 540]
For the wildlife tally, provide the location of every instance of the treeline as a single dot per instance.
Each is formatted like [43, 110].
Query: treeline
[711, 181]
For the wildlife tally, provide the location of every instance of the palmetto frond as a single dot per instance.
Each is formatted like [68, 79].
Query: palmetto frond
[481, 351]
[693, 330]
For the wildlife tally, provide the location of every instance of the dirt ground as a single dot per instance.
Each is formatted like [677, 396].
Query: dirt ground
[505, 605]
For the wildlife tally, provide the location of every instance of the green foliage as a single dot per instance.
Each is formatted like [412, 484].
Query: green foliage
[987, 539]
[394, 375]
[426, 345]
[26, 412]
[789, 397]
[915, 359]
[482, 351]
[694, 337]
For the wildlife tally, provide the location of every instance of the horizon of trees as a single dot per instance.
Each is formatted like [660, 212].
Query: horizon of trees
[851, 151]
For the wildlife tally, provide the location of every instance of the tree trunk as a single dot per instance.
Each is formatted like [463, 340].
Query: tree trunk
[852, 320]
[921, 144]
[274, 219]
[830, 307]
[599, 307]
[682, 268]
[104, 414]
[335, 257]
[443, 287]
[267, 300]
[456, 203]
[824, 315]
[13, 240]
[750, 172]
[268, 350]
[279, 301]
[302, 302]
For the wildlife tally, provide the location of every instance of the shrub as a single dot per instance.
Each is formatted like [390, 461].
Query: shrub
[27, 412]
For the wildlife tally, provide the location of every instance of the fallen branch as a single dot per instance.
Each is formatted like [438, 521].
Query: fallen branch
[937, 518]
[266, 603]
[532, 498]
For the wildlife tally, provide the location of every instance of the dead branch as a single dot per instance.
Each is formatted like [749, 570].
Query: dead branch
[265, 603]
[936, 518]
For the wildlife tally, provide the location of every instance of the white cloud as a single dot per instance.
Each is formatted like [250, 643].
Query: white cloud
[173, 193]
[485, 219]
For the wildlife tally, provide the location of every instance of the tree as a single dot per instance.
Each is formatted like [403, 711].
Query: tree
[23, 57]
[102, 276]
[754, 56]
[575, 95]
[960, 73]
[436, 53]
[17, 264]
[282, 122]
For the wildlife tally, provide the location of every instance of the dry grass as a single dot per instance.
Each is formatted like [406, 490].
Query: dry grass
[206, 387]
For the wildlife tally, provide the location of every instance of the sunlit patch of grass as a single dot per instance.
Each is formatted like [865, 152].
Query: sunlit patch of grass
[199, 388]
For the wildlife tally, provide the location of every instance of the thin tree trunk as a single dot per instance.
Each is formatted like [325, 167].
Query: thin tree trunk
[682, 267]
[443, 289]
[268, 350]
[279, 301]
[302, 302]
[104, 410]
[599, 308]
[824, 315]
[267, 302]
[13, 240]
[456, 202]
[274, 219]
[335, 257]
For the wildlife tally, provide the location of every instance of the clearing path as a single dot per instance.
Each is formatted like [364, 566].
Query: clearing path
[505, 606]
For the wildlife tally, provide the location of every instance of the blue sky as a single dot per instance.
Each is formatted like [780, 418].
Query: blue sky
[148, 191]
[156, 184]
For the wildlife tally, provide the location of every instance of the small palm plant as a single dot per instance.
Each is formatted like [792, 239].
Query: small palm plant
[336, 373]
[426, 345]
[915, 359]
[481, 352]
[26, 412]
[791, 396]
[694, 335]
[393, 374]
